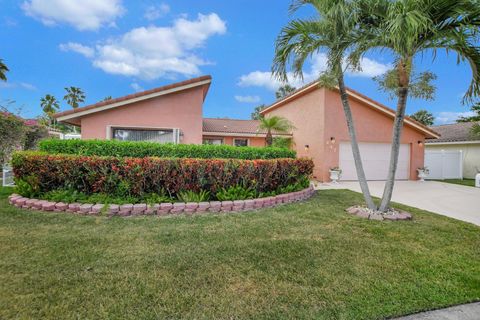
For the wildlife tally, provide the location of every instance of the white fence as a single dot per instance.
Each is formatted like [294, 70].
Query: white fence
[7, 176]
[444, 164]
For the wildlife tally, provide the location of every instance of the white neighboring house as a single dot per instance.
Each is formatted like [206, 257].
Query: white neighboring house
[456, 138]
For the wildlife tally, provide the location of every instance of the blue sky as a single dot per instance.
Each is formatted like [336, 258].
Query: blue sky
[116, 47]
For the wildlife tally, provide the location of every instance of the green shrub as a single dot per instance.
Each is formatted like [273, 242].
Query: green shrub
[27, 186]
[237, 192]
[160, 197]
[115, 148]
[137, 178]
[190, 196]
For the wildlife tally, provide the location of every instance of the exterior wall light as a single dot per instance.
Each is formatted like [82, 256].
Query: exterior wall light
[332, 140]
[307, 147]
[420, 143]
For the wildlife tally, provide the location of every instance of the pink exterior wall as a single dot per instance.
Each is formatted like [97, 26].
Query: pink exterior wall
[253, 141]
[318, 115]
[307, 115]
[181, 110]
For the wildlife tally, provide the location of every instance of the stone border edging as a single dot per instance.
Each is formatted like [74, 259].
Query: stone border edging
[160, 209]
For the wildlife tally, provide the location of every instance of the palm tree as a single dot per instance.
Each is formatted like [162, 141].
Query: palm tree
[74, 96]
[408, 28]
[49, 105]
[3, 70]
[424, 117]
[334, 31]
[284, 91]
[274, 123]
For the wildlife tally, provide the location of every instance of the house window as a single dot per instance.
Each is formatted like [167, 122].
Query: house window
[152, 135]
[240, 142]
[213, 141]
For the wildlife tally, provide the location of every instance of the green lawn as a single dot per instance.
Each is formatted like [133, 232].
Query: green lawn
[305, 260]
[464, 182]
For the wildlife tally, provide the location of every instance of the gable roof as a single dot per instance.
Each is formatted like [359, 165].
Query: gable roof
[455, 132]
[312, 86]
[135, 97]
[223, 126]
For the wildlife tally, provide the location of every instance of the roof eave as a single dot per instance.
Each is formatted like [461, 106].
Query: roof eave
[64, 117]
[308, 88]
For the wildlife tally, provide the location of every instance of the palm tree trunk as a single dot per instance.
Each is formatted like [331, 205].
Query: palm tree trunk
[269, 138]
[362, 180]
[403, 80]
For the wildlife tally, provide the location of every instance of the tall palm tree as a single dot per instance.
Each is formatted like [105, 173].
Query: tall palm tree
[333, 31]
[74, 96]
[3, 70]
[274, 123]
[409, 28]
[49, 105]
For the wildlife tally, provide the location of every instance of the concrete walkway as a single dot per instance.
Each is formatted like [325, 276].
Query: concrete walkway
[451, 200]
[464, 312]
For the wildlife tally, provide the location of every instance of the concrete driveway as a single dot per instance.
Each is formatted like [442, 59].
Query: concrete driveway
[451, 200]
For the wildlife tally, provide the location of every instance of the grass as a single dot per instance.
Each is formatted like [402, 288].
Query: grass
[464, 182]
[307, 260]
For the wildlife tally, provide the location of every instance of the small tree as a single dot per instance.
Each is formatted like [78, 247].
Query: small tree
[74, 96]
[12, 133]
[256, 112]
[424, 117]
[274, 123]
[33, 135]
[284, 91]
[3, 70]
[475, 131]
[107, 98]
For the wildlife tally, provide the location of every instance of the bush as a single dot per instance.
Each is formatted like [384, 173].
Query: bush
[237, 192]
[114, 148]
[138, 177]
[190, 196]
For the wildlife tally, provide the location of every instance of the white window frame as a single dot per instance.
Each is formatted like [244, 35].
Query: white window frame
[214, 138]
[235, 139]
[111, 128]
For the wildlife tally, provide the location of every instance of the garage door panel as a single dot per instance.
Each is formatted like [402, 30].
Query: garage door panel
[375, 158]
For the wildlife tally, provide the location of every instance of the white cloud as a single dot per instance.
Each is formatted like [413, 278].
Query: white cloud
[370, 68]
[83, 15]
[153, 52]
[78, 48]
[248, 99]
[135, 86]
[16, 85]
[445, 117]
[155, 12]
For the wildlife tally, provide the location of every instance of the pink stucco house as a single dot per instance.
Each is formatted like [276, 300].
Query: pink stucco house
[173, 113]
[322, 133]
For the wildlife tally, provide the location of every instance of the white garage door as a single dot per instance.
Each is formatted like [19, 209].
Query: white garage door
[375, 158]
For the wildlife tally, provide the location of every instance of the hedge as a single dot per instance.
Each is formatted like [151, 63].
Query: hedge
[138, 176]
[115, 148]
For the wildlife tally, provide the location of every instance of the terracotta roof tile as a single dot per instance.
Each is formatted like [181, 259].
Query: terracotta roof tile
[223, 125]
[133, 95]
[455, 132]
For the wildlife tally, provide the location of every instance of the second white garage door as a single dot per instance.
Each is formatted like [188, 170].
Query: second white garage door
[375, 158]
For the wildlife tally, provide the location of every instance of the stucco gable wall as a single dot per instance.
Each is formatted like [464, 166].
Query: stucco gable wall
[307, 115]
[181, 110]
[371, 126]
